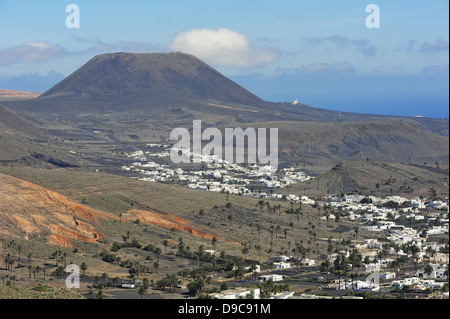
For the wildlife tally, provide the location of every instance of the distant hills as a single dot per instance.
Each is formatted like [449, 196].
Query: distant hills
[11, 120]
[14, 94]
[17, 135]
[176, 86]
[318, 143]
[147, 95]
[364, 176]
[23, 143]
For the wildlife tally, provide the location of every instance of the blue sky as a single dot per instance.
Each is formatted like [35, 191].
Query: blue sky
[319, 52]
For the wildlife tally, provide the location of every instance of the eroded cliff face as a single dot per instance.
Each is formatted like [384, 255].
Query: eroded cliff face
[28, 210]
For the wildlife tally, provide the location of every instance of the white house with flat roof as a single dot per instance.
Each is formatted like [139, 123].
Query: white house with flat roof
[237, 293]
[438, 272]
[282, 265]
[387, 275]
[283, 295]
[272, 277]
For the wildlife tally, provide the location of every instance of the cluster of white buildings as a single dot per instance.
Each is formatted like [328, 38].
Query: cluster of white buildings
[282, 262]
[423, 278]
[438, 271]
[252, 293]
[379, 218]
[353, 203]
[418, 284]
[237, 293]
[216, 175]
[357, 285]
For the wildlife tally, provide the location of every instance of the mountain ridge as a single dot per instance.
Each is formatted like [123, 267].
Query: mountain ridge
[149, 94]
[175, 86]
[141, 81]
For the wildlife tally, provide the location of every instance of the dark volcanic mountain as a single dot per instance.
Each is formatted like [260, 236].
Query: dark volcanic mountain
[142, 82]
[176, 86]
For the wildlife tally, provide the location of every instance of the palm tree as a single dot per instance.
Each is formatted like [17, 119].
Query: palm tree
[83, 267]
[258, 229]
[104, 277]
[353, 276]
[339, 273]
[402, 260]
[326, 267]
[258, 249]
[11, 264]
[428, 269]
[165, 244]
[7, 261]
[116, 281]
[55, 256]
[29, 271]
[298, 212]
[100, 294]
[261, 205]
[35, 271]
[297, 263]
[156, 265]
[30, 254]
[143, 289]
[230, 218]
[96, 278]
[341, 267]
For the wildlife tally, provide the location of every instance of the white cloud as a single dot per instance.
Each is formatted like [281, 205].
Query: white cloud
[38, 45]
[30, 52]
[223, 47]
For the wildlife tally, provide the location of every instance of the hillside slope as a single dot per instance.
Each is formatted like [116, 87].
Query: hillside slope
[31, 211]
[391, 178]
[28, 210]
[14, 94]
[23, 143]
[12, 122]
[319, 144]
[18, 137]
